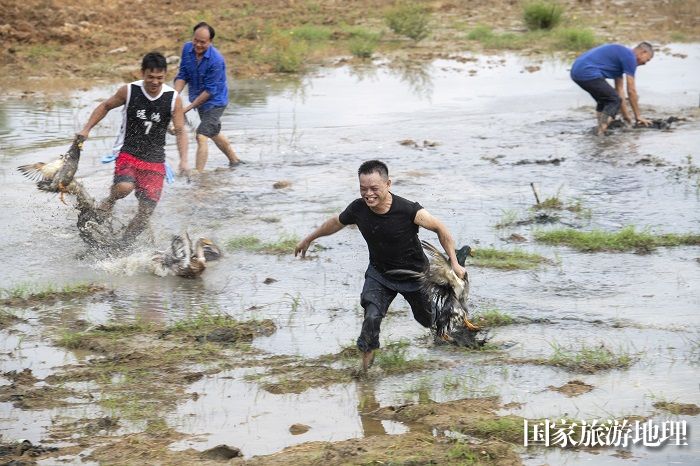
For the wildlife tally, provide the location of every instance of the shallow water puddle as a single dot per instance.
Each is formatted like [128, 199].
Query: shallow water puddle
[227, 410]
[477, 139]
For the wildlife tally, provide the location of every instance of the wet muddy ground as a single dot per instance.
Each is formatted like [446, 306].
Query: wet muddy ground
[483, 129]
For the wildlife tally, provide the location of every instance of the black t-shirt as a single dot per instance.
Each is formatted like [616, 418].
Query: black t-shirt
[392, 238]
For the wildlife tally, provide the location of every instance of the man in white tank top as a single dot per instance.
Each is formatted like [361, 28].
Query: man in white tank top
[149, 106]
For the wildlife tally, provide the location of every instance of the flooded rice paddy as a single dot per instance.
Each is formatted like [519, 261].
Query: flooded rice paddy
[479, 127]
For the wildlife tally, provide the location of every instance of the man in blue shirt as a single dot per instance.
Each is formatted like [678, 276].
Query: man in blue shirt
[611, 61]
[203, 69]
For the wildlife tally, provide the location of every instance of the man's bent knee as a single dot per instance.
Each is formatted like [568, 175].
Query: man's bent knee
[122, 189]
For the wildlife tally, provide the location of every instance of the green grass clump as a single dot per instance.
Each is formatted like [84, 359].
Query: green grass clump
[492, 318]
[507, 428]
[410, 20]
[627, 239]
[354, 32]
[90, 340]
[461, 453]
[481, 33]
[26, 292]
[311, 33]
[393, 358]
[286, 55]
[678, 36]
[492, 40]
[73, 340]
[203, 320]
[506, 260]
[362, 48]
[284, 245]
[553, 203]
[575, 39]
[542, 15]
[588, 359]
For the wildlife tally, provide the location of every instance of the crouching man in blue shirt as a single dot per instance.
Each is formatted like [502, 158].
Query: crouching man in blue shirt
[203, 69]
[611, 61]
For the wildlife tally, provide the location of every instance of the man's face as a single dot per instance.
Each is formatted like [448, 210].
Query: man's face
[643, 56]
[201, 40]
[153, 81]
[374, 189]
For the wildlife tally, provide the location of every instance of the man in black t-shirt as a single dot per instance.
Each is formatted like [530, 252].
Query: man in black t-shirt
[389, 224]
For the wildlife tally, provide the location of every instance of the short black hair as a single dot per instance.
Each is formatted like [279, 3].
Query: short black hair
[374, 166]
[646, 46]
[205, 25]
[154, 61]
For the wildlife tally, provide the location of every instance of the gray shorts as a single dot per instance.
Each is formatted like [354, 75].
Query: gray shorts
[210, 121]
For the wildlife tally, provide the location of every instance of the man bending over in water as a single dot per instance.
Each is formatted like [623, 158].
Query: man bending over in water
[611, 61]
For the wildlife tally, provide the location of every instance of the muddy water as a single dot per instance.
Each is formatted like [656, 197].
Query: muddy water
[314, 132]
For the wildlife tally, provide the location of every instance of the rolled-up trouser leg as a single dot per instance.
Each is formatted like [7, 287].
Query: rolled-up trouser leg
[375, 299]
[420, 306]
[604, 94]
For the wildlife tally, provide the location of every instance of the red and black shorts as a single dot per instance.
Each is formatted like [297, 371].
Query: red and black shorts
[147, 177]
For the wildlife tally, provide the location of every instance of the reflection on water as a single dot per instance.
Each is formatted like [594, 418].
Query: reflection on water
[314, 132]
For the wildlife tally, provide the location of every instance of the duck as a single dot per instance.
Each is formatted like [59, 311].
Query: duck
[448, 293]
[57, 175]
[185, 259]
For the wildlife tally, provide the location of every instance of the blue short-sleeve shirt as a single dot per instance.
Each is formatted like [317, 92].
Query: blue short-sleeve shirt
[207, 75]
[607, 61]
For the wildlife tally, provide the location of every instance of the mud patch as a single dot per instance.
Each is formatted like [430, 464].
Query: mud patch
[296, 375]
[572, 388]
[429, 441]
[24, 393]
[689, 409]
[656, 123]
[23, 453]
[141, 372]
[29, 298]
[8, 319]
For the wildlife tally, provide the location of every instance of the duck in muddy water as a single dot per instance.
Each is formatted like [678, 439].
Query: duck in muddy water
[57, 175]
[185, 259]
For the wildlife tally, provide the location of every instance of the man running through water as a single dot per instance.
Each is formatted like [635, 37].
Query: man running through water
[149, 106]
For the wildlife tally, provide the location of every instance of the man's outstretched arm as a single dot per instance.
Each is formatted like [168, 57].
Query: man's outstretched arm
[327, 228]
[101, 111]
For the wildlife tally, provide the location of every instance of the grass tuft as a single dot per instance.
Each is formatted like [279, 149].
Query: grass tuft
[542, 15]
[506, 260]
[588, 359]
[575, 39]
[362, 47]
[410, 20]
[28, 294]
[311, 33]
[286, 55]
[627, 239]
[284, 245]
[481, 33]
[393, 358]
[507, 428]
[492, 318]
